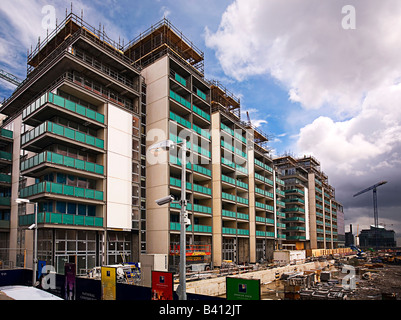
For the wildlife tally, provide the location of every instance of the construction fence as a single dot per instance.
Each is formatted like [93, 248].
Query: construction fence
[326, 252]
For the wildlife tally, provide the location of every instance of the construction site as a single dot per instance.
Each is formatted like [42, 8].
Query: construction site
[82, 120]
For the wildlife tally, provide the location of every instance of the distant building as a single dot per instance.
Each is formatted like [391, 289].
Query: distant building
[349, 237]
[385, 238]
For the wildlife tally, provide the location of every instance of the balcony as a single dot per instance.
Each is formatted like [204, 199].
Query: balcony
[229, 214]
[295, 190]
[230, 231]
[175, 226]
[202, 189]
[50, 104]
[61, 218]
[61, 190]
[49, 133]
[204, 115]
[180, 120]
[264, 234]
[202, 209]
[6, 156]
[35, 164]
[5, 202]
[5, 178]
[177, 183]
[177, 98]
[4, 133]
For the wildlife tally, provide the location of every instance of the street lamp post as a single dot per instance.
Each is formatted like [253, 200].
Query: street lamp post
[35, 249]
[184, 221]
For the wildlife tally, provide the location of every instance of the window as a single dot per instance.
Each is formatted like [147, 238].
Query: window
[61, 207]
[82, 209]
[91, 211]
[71, 208]
[61, 178]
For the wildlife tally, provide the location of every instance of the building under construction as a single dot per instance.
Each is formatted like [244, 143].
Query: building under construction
[78, 128]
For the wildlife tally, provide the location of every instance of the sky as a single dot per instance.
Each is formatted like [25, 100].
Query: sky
[321, 78]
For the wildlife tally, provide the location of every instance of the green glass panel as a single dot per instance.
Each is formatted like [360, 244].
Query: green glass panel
[79, 220]
[68, 219]
[68, 190]
[56, 218]
[90, 140]
[98, 222]
[79, 136]
[57, 188]
[99, 143]
[89, 194]
[69, 133]
[89, 221]
[99, 169]
[89, 166]
[81, 110]
[70, 105]
[57, 158]
[99, 117]
[69, 162]
[79, 192]
[79, 164]
[57, 129]
[91, 114]
[59, 101]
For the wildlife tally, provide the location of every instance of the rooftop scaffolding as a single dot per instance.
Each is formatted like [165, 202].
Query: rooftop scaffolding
[160, 39]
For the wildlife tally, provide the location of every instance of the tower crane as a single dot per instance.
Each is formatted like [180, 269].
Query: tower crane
[375, 211]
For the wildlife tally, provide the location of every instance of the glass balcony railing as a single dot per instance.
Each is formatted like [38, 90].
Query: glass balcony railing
[50, 127]
[176, 97]
[6, 156]
[55, 158]
[202, 209]
[5, 178]
[242, 216]
[202, 132]
[61, 189]
[63, 103]
[242, 200]
[180, 120]
[6, 133]
[264, 234]
[5, 201]
[202, 189]
[228, 196]
[227, 213]
[175, 226]
[229, 230]
[243, 232]
[61, 218]
[201, 113]
[242, 184]
[177, 183]
[227, 179]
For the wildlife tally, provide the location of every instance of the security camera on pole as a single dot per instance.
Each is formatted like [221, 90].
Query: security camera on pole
[184, 221]
[35, 249]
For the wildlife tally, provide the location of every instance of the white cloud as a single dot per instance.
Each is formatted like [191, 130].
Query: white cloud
[352, 77]
[302, 44]
[353, 146]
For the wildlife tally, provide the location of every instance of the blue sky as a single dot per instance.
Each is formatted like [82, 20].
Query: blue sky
[315, 86]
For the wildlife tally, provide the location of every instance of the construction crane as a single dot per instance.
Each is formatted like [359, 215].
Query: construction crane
[10, 77]
[375, 211]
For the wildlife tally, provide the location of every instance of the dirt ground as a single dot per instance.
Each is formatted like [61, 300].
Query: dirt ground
[385, 280]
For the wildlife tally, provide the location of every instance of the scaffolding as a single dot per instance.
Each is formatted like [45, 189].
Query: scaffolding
[161, 39]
